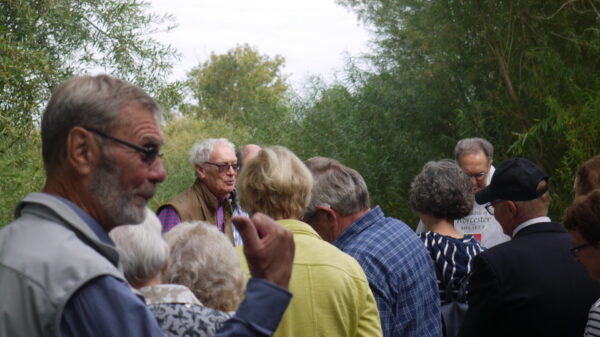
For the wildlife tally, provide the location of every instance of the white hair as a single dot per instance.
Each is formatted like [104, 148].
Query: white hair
[203, 259]
[201, 151]
[143, 251]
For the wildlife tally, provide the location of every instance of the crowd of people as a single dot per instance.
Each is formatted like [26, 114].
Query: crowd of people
[265, 244]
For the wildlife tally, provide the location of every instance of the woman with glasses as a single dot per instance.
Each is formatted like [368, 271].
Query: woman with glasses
[442, 193]
[582, 220]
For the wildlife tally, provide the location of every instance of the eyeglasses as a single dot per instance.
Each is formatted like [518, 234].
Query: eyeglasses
[575, 250]
[224, 167]
[150, 153]
[478, 176]
[490, 207]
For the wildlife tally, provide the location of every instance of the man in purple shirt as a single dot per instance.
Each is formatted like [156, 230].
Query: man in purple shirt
[209, 198]
[101, 145]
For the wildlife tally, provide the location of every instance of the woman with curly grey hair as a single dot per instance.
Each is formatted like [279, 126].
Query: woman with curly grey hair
[442, 193]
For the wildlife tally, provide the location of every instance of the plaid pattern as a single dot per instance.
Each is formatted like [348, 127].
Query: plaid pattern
[400, 273]
[221, 215]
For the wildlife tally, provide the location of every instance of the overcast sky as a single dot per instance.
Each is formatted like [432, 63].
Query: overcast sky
[313, 35]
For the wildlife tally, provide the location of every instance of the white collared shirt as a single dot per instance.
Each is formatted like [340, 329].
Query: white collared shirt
[529, 223]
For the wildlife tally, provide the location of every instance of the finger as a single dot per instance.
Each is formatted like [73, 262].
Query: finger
[246, 229]
[264, 224]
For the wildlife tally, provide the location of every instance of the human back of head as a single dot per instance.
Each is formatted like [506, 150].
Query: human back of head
[442, 190]
[144, 253]
[276, 183]
[87, 101]
[521, 182]
[588, 176]
[583, 217]
[336, 185]
[203, 259]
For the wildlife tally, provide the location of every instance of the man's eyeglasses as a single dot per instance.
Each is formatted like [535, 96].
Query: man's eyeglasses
[575, 250]
[150, 153]
[478, 176]
[490, 207]
[224, 167]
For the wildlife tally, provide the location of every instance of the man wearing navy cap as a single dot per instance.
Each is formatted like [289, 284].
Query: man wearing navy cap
[530, 285]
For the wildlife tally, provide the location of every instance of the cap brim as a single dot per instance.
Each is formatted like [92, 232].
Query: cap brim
[485, 195]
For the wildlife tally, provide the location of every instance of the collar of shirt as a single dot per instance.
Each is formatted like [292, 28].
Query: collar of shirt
[358, 226]
[529, 223]
[91, 222]
[299, 227]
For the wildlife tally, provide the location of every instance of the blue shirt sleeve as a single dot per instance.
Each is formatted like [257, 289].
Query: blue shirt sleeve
[106, 306]
[260, 312]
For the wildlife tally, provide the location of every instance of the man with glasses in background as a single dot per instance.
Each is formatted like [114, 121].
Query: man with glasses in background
[475, 157]
[530, 285]
[208, 199]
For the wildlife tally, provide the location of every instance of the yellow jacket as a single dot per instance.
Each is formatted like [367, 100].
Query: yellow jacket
[331, 294]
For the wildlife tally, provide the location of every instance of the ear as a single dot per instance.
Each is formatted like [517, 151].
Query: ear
[82, 151]
[200, 171]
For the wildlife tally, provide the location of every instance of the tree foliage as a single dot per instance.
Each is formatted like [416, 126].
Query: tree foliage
[523, 74]
[44, 42]
[241, 86]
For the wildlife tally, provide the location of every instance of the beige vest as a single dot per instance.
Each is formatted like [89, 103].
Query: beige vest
[198, 203]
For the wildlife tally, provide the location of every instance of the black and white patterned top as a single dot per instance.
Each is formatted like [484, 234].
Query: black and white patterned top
[451, 257]
[179, 313]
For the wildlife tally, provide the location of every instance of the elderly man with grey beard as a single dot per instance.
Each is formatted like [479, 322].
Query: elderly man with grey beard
[59, 269]
[398, 267]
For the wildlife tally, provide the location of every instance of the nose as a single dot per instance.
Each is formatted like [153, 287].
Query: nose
[231, 170]
[157, 173]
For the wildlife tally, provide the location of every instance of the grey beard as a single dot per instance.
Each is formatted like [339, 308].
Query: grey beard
[108, 192]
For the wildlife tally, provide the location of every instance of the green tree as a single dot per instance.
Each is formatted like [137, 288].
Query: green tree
[240, 86]
[523, 74]
[42, 43]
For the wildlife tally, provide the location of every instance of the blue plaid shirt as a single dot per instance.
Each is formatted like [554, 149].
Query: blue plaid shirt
[400, 273]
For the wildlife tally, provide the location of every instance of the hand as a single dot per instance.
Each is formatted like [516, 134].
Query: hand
[269, 248]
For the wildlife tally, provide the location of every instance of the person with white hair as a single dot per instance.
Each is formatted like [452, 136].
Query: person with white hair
[145, 257]
[203, 260]
[209, 198]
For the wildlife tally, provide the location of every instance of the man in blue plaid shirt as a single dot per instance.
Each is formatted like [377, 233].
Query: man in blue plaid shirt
[398, 267]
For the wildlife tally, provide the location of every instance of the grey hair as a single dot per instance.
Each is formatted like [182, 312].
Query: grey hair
[142, 249]
[442, 190]
[474, 145]
[336, 185]
[203, 259]
[200, 151]
[87, 101]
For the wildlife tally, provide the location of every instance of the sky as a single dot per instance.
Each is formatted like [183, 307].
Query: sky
[314, 36]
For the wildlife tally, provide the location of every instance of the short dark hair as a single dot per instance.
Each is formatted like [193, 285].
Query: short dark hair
[583, 216]
[442, 190]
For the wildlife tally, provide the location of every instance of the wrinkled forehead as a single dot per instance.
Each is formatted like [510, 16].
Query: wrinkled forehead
[222, 152]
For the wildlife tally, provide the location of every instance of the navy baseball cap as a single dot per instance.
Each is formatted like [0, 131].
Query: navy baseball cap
[515, 179]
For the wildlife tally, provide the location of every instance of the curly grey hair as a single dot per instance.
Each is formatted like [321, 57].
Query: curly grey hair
[337, 186]
[474, 145]
[442, 190]
[142, 249]
[203, 259]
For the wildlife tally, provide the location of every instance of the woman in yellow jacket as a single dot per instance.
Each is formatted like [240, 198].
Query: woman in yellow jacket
[331, 294]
